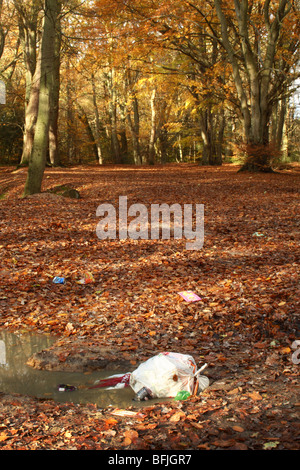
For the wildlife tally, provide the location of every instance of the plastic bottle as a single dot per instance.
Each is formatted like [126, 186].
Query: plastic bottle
[66, 388]
[143, 394]
[59, 280]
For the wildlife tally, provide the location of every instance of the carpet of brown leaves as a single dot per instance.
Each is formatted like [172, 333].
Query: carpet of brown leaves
[243, 327]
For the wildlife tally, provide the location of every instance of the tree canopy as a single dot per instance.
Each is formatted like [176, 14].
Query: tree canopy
[145, 82]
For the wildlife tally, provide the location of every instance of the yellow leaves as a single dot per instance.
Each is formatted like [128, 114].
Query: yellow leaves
[189, 103]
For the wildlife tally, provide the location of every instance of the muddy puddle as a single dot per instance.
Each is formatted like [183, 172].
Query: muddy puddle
[17, 377]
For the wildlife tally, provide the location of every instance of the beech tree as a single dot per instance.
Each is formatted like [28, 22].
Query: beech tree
[151, 81]
[28, 14]
[37, 160]
[251, 34]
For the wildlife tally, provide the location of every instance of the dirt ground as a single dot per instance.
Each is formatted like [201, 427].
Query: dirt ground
[244, 327]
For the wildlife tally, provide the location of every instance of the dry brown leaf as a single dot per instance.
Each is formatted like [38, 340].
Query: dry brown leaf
[177, 417]
[3, 436]
[255, 395]
[238, 428]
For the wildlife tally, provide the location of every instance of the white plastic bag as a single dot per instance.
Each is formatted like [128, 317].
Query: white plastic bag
[167, 374]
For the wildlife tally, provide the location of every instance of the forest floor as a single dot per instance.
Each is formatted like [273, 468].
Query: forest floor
[244, 326]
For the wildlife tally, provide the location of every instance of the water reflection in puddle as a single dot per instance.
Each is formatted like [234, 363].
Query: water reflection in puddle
[17, 377]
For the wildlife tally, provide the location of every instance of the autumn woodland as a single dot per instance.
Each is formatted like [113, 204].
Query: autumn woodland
[164, 102]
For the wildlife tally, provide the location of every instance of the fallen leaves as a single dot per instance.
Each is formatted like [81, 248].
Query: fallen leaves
[238, 428]
[177, 417]
[131, 437]
[3, 436]
[243, 324]
[254, 396]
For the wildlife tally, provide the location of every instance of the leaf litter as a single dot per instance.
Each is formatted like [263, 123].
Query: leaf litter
[243, 324]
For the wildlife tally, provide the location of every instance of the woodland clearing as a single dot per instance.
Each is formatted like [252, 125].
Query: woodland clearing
[247, 275]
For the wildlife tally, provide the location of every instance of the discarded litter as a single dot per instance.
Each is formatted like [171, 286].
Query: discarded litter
[182, 395]
[58, 280]
[257, 234]
[189, 296]
[123, 413]
[88, 278]
[114, 381]
[166, 375]
[66, 388]
[143, 394]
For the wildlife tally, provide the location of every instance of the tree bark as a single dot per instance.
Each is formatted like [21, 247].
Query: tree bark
[212, 131]
[97, 124]
[153, 129]
[31, 112]
[71, 131]
[54, 110]
[134, 126]
[257, 70]
[82, 116]
[112, 109]
[37, 160]
[28, 27]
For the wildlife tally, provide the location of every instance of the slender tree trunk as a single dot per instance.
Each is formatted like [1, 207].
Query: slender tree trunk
[134, 126]
[151, 155]
[54, 111]
[123, 135]
[71, 131]
[2, 34]
[37, 160]
[82, 116]
[112, 109]
[98, 124]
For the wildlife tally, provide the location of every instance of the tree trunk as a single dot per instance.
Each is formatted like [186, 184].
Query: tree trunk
[252, 72]
[54, 111]
[112, 109]
[135, 131]
[123, 134]
[71, 131]
[212, 132]
[28, 25]
[153, 129]
[98, 124]
[37, 160]
[82, 116]
[31, 112]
